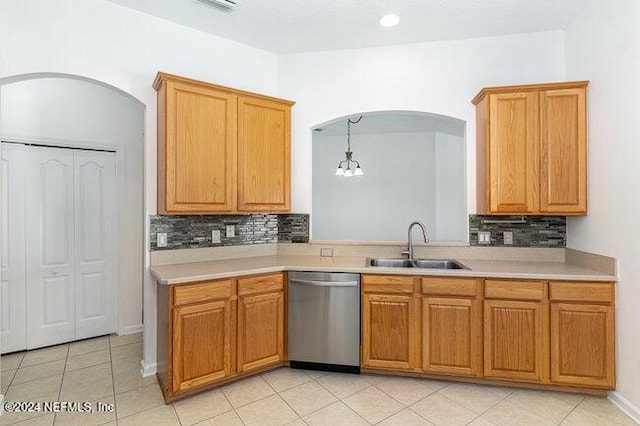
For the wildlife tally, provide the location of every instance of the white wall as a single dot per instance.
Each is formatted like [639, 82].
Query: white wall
[451, 221]
[395, 189]
[109, 43]
[603, 46]
[407, 176]
[438, 77]
[78, 113]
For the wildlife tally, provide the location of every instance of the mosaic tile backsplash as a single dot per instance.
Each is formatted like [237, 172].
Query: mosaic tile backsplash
[537, 231]
[192, 231]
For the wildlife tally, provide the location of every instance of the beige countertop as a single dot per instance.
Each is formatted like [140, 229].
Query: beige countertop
[217, 269]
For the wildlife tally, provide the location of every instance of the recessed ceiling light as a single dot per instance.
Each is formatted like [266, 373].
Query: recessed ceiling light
[390, 20]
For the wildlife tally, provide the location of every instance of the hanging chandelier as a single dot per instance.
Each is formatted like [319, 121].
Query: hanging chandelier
[344, 167]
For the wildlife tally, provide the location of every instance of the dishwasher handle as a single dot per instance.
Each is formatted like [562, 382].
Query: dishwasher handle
[324, 283]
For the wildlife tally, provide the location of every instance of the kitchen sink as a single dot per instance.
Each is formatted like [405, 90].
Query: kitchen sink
[416, 263]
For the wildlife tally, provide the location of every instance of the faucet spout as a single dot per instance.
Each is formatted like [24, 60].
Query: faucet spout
[409, 250]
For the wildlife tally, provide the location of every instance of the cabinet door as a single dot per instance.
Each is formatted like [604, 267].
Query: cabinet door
[515, 340]
[513, 161]
[582, 345]
[450, 336]
[260, 330]
[197, 164]
[264, 155]
[389, 331]
[563, 150]
[202, 344]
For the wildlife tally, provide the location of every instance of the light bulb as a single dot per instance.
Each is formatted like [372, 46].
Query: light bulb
[340, 171]
[358, 172]
[390, 20]
[348, 172]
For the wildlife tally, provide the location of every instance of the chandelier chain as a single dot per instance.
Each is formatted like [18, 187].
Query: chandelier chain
[349, 123]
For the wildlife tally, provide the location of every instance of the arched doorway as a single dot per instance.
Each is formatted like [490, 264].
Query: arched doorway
[409, 165]
[73, 113]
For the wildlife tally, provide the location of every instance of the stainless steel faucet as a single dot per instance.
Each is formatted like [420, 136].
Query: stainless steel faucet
[409, 250]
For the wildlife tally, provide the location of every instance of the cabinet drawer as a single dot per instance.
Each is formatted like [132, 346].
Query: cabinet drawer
[388, 283]
[191, 293]
[450, 286]
[581, 292]
[260, 284]
[515, 289]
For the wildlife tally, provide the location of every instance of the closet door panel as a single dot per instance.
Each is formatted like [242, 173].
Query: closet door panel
[94, 209]
[50, 246]
[13, 325]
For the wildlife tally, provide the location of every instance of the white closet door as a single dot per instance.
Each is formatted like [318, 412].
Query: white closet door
[13, 325]
[50, 247]
[95, 277]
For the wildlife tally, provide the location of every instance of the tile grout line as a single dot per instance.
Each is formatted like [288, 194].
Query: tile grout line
[341, 400]
[280, 396]
[230, 405]
[405, 405]
[420, 415]
[177, 416]
[64, 370]
[569, 413]
[284, 400]
[346, 396]
[311, 379]
[113, 381]
[511, 391]
[598, 415]
[572, 410]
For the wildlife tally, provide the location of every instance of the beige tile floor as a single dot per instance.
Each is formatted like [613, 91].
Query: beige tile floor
[107, 369]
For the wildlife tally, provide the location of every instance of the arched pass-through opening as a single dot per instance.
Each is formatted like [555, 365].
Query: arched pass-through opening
[79, 117]
[375, 172]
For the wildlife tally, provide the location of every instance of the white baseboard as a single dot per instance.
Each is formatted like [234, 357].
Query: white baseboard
[148, 369]
[1, 404]
[625, 405]
[133, 329]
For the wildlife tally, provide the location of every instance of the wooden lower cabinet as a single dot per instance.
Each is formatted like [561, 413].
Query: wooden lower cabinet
[583, 334]
[260, 330]
[450, 336]
[211, 332]
[389, 331]
[515, 340]
[582, 345]
[201, 344]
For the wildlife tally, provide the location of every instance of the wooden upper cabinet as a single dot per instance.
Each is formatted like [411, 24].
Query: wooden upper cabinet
[221, 150]
[196, 150]
[531, 149]
[513, 157]
[264, 155]
[563, 149]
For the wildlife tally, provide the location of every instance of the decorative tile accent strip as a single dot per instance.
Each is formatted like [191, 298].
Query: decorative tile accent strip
[537, 231]
[293, 228]
[192, 231]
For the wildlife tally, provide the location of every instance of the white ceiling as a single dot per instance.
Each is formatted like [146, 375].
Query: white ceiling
[284, 26]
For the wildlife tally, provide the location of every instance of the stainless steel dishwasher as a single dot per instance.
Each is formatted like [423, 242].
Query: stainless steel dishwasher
[324, 321]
